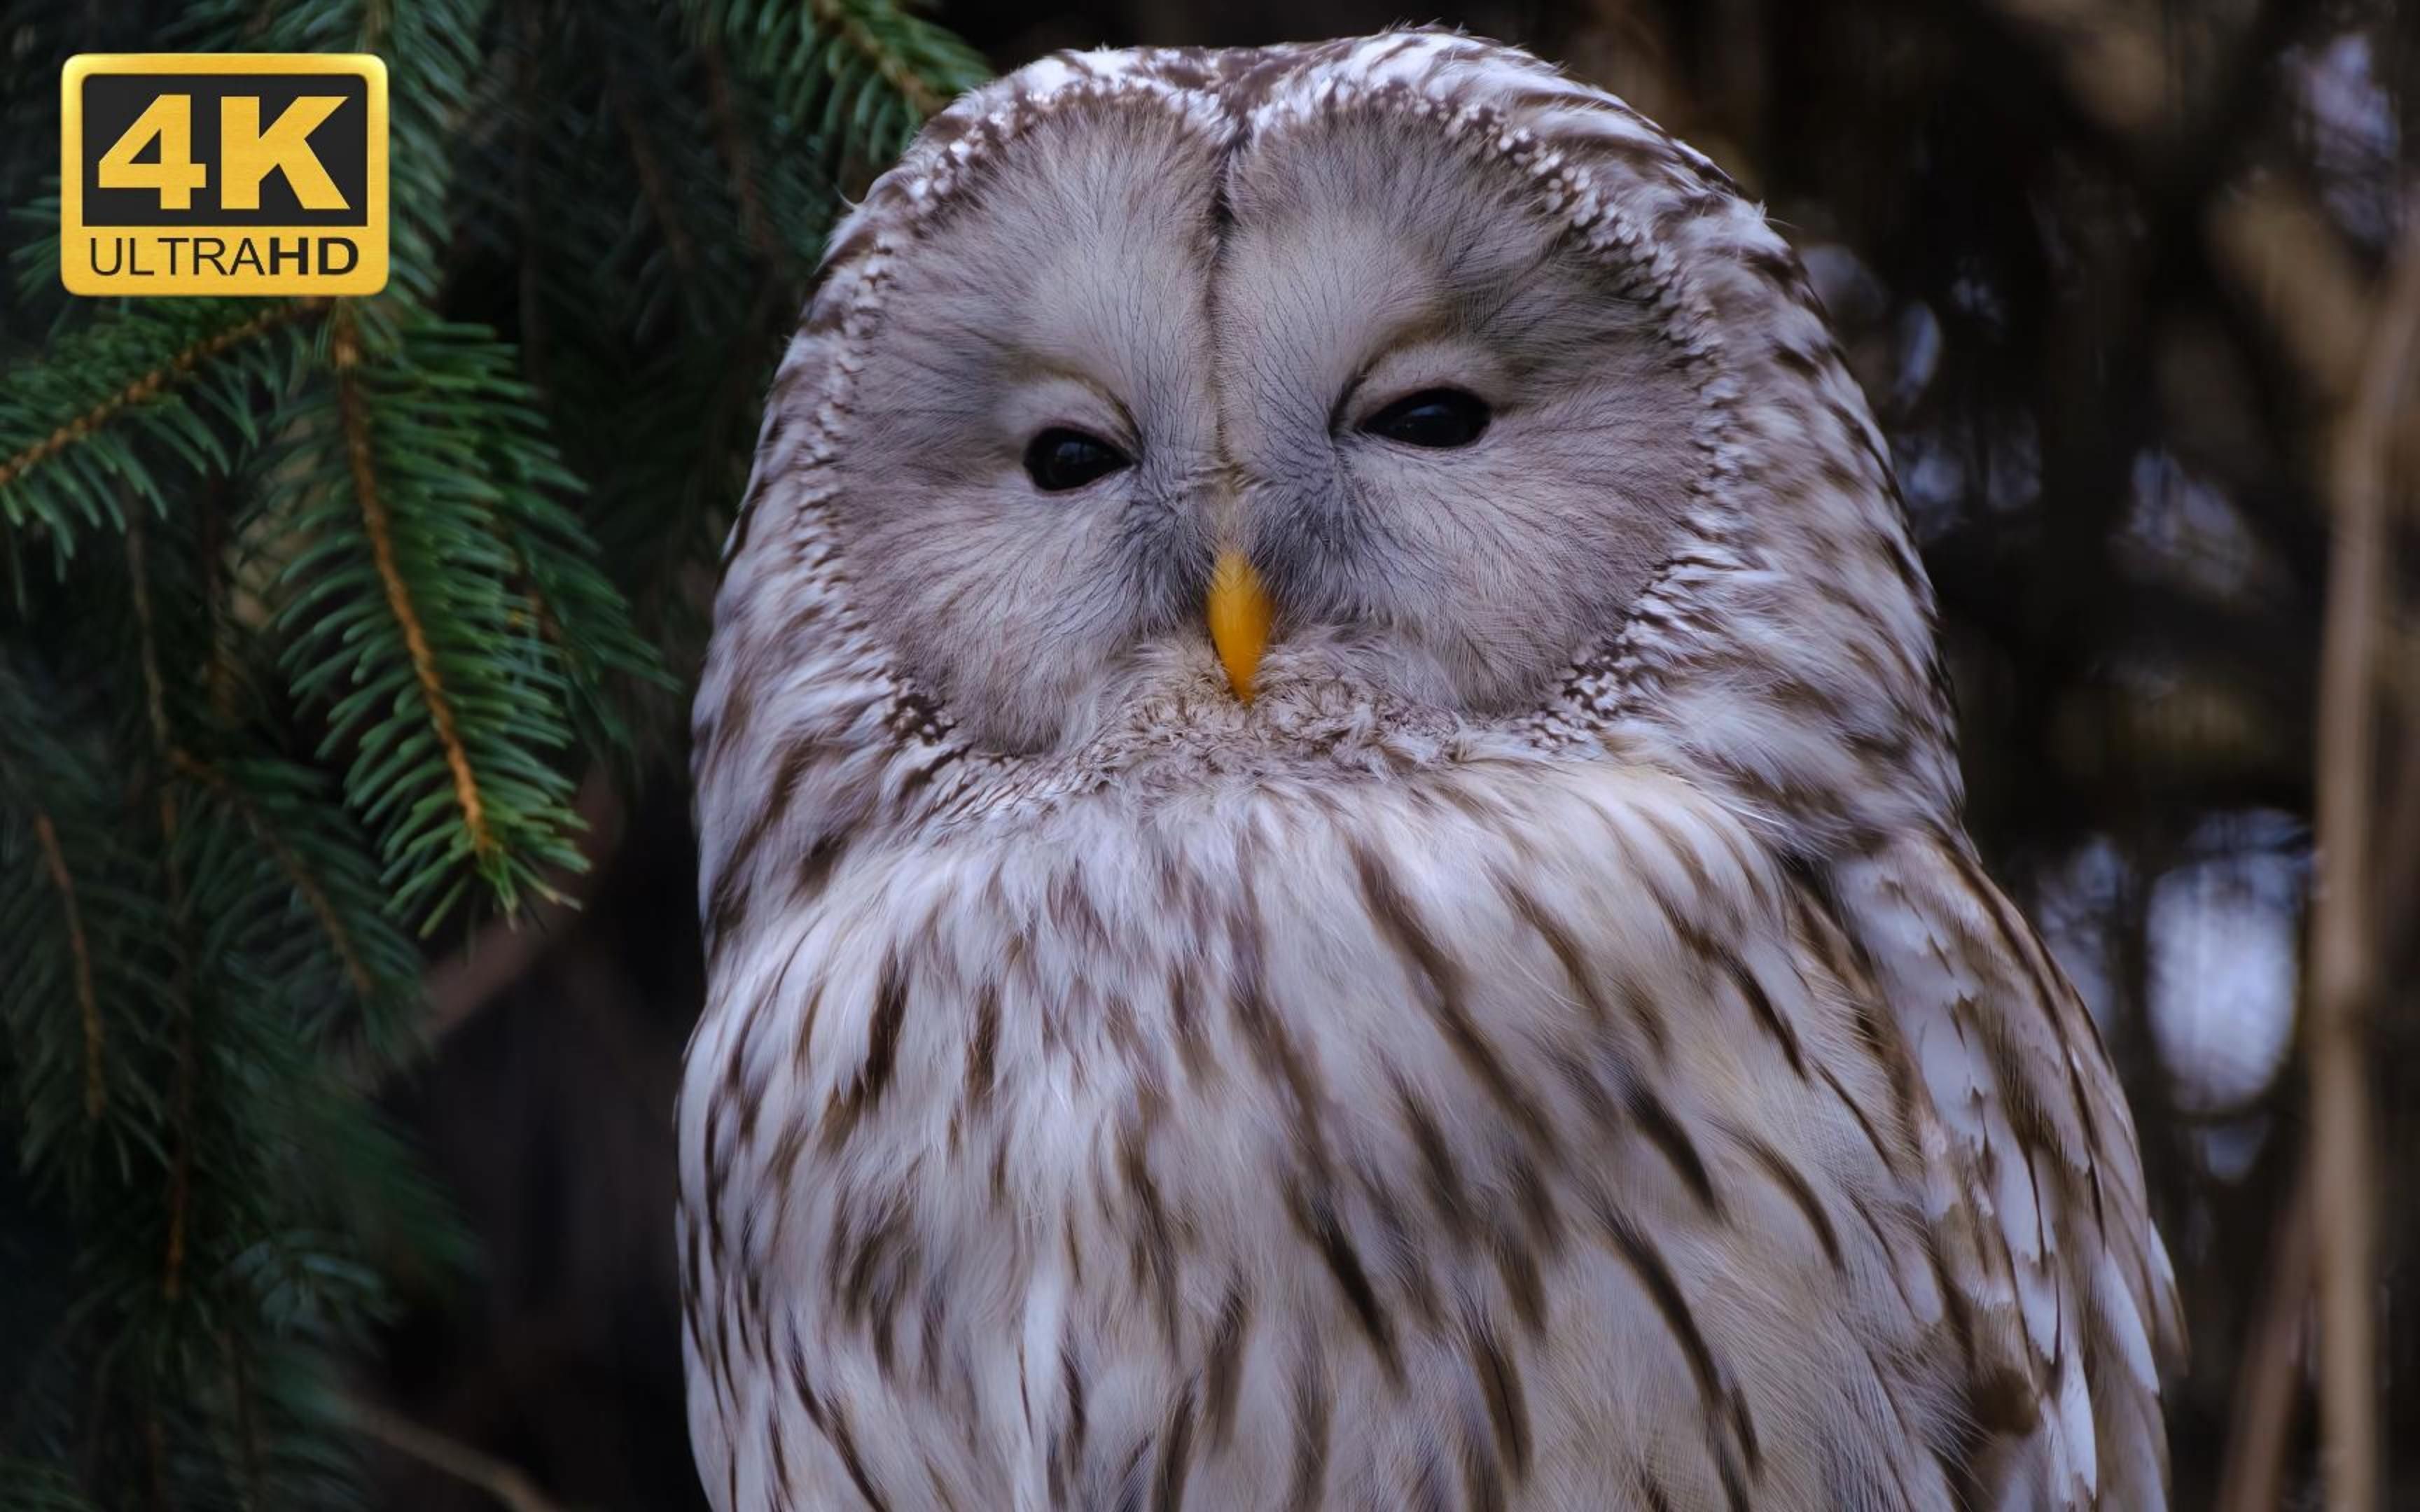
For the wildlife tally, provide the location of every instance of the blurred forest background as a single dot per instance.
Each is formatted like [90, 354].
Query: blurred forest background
[2121, 279]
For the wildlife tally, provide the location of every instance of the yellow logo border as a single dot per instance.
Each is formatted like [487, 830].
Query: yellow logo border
[367, 276]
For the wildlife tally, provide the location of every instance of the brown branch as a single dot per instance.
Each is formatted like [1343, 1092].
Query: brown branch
[150, 385]
[375, 520]
[733, 141]
[2344, 952]
[2275, 241]
[2116, 66]
[2399, 853]
[894, 69]
[505, 1482]
[653, 186]
[2268, 1377]
[340, 940]
[156, 704]
[96, 1092]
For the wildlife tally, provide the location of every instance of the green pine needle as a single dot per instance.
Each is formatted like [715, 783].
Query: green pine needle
[316, 614]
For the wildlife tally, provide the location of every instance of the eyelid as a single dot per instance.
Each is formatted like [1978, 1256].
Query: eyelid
[1416, 366]
[1121, 430]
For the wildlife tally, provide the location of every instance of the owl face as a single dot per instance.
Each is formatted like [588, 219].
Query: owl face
[1353, 357]
[1515, 419]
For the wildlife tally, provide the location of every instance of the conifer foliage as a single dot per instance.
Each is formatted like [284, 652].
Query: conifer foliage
[313, 616]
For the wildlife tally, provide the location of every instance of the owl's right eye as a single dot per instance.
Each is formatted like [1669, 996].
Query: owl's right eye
[1060, 459]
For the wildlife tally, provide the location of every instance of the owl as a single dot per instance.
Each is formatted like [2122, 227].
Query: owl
[1331, 856]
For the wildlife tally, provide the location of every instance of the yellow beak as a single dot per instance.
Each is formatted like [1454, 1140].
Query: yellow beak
[1239, 619]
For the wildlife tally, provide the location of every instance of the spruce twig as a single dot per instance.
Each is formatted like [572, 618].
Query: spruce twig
[152, 384]
[96, 1090]
[345, 356]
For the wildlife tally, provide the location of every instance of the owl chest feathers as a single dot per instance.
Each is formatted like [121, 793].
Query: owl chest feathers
[1516, 1135]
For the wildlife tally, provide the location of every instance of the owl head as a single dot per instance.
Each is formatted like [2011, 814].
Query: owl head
[1214, 404]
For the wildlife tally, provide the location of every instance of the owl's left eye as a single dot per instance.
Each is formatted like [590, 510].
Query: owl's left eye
[1061, 458]
[1435, 418]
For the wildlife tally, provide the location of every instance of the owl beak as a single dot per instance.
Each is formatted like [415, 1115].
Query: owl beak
[1239, 619]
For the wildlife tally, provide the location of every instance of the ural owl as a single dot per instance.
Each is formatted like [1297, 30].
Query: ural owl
[1333, 863]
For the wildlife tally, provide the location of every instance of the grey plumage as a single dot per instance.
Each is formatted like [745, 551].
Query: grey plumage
[1553, 1048]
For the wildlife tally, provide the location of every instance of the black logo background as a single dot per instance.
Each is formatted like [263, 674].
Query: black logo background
[113, 101]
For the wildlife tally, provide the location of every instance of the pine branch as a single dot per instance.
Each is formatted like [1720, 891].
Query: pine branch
[360, 457]
[731, 141]
[317, 853]
[172, 1279]
[860, 74]
[408, 612]
[75, 1001]
[434, 54]
[899, 56]
[26, 1486]
[360, 633]
[89, 420]
[96, 1092]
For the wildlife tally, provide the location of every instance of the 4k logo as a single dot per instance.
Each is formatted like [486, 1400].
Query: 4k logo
[223, 172]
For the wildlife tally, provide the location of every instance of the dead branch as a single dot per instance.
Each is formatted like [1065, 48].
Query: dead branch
[504, 1482]
[2269, 1376]
[2344, 967]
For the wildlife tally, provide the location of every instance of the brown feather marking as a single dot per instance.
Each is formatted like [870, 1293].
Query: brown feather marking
[1651, 1491]
[1573, 961]
[845, 1442]
[1439, 978]
[982, 1047]
[1507, 1405]
[816, 865]
[1873, 1135]
[1540, 1219]
[842, 1115]
[1761, 1003]
[1664, 1131]
[1695, 938]
[1405, 1253]
[1518, 1270]
[1175, 1456]
[1483, 1483]
[801, 1386]
[1072, 1379]
[1222, 1374]
[1314, 1406]
[942, 1496]
[1154, 1246]
[929, 1336]
[802, 1051]
[780, 1457]
[1719, 1403]
[718, 1172]
[1184, 1014]
[1273, 1048]
[1438, 1171]
[1793, 1185]
[692, 1299]
[1315, 1215]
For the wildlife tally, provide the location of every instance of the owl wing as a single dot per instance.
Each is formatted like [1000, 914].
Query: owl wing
[2063, 1269]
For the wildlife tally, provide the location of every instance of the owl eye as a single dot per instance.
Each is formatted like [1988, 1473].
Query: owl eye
[1060, 459]
[1433, 417]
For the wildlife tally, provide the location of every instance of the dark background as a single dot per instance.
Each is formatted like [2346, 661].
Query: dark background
[2105, 269]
